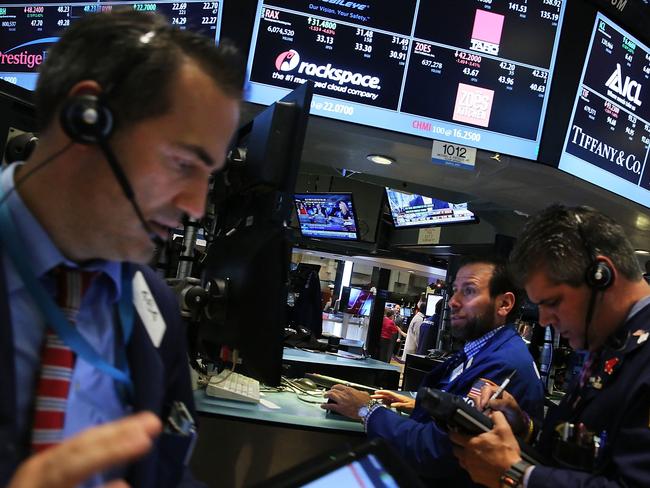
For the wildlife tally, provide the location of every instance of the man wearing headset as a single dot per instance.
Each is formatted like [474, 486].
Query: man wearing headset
[135, 117]
[579, 267]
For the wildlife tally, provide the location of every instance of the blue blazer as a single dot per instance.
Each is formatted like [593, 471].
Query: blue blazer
[160, 376]
[425, 445]
[618, 406]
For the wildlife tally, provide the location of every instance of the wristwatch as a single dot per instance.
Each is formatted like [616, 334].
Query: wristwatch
[514, 475]
[365, 410]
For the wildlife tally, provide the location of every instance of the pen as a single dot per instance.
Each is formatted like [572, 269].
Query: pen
[502, 387]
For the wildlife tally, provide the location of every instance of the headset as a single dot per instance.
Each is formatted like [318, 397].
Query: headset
[599, 275]
[86, 119]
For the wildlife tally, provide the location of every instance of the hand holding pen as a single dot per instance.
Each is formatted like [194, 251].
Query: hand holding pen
[499, 391]
[497, 398]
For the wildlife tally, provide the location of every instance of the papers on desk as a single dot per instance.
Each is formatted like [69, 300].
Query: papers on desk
[269, 404]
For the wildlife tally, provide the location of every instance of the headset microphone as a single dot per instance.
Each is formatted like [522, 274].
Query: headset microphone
[86, 119]
[122, 180]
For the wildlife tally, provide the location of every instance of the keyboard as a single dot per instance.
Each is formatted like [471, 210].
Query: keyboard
[228, 385]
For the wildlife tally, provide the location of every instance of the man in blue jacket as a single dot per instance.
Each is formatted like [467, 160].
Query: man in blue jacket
[482, 305]
[135, 116]
[580, 268]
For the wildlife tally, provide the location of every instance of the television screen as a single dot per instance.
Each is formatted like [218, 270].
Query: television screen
[608, 136]
[469, 72]
[432, 300]
[360, 302]
[327, 215]
[28, 30]
[413, 210]
[406, 312]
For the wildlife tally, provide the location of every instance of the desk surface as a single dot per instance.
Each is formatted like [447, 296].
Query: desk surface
[330, 359]
[291, 412]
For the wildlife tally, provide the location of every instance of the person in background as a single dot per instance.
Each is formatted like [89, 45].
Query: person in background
[389, 332]
[135, 116]
[398, 318]
[483, 308]
[429, 330]
[413, 333]
[580, 269]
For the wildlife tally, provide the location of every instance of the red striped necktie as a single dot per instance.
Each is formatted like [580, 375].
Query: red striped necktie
[57, 363]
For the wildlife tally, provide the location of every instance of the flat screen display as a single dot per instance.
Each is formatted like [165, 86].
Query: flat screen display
[327, 215]
[413, 210]
[366, 471]
[609, 133]
[360, 302]
[474, 72]
[27, 30]
[432, 300]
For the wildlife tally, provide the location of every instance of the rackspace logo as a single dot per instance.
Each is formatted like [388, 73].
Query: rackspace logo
[629, 88]
[288, 60]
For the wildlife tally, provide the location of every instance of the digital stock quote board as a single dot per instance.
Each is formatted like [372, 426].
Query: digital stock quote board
[473, 72]
[27, 30]
[608, 137]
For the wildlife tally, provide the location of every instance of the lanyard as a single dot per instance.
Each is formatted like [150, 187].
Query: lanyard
[57, 320]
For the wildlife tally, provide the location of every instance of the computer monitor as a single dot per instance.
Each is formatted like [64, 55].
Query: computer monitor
[373, 463]
[247, 261]
[413, 210]
[406, 312]
[432, 300]
[327, 215]
[470, 72]
[607, 141]
[360, 302]
[28, 30]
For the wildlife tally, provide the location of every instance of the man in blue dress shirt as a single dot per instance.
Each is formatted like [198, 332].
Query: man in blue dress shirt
[580, 269]
[482, 307]
[135, 117]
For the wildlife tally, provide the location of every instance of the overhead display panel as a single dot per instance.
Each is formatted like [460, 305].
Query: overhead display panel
[474, 72]
[608, 136]
[28, 29]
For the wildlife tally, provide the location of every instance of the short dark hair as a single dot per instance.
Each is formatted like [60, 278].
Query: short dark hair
[389, 312]
[501, 280]
[564, 242]
[134, 57]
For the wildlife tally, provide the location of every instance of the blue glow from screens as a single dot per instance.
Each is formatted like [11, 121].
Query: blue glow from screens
[608, 140]
[28, 30]
[466, 72]
[413, 210]
[326, 215]
[360, 302]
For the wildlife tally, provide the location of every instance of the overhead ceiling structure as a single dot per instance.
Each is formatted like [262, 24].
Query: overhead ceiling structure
[503, 190]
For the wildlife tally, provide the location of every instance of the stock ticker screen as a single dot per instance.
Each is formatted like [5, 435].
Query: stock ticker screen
[474, 72]
[608, 137]
[27, 30]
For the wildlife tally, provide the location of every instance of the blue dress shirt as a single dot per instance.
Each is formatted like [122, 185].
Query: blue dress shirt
[93, 399]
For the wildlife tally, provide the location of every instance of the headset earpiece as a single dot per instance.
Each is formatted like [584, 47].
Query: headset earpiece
[86, 120]
[599, 275]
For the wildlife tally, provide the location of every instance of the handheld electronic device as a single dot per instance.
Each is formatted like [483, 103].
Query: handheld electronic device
[452, 410]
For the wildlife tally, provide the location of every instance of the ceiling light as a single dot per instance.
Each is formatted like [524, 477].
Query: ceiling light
[642, 252]
[379, 159]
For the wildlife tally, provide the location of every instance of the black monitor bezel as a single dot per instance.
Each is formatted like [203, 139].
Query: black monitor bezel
[313, 469]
